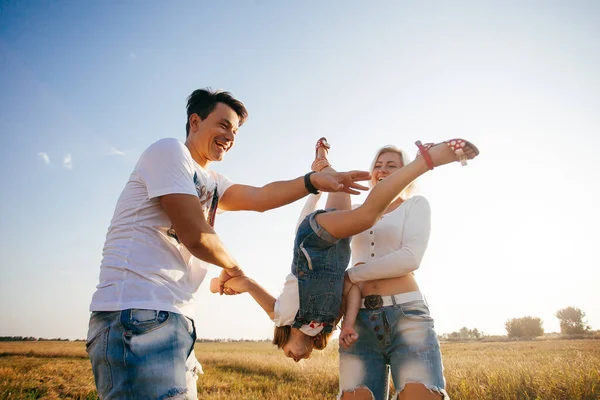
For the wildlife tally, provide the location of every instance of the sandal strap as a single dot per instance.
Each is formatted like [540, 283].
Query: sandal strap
[425, 154]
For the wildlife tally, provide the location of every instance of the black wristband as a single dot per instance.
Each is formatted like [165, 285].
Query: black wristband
[308, 184]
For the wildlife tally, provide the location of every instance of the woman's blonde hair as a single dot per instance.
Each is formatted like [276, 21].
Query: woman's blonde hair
[390, 148]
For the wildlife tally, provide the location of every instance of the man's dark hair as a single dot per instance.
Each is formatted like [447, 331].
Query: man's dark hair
[204, 101]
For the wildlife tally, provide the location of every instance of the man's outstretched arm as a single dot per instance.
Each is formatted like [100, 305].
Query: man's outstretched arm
[276, 194]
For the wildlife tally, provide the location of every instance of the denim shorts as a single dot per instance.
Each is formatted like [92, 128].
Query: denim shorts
[319, 263]
[399, 339]
[143, 354]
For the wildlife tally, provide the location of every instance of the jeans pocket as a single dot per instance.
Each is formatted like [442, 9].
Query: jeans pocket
[307, 256]
[416, 311]
[140, 321]
[97, 348]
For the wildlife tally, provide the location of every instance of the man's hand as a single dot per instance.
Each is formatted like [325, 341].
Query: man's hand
[226, 274]
[340, 181]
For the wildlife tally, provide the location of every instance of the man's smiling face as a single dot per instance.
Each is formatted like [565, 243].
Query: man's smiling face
[212, 137]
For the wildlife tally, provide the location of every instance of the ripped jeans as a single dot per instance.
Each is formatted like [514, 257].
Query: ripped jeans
[399, 339]
[143, 354]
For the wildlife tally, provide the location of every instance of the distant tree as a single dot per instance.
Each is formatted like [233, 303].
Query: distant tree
[17, 339]
[524, 327]
[571, 321]
[463, 333]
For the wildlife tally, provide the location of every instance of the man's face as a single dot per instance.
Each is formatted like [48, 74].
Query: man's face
[213, 136]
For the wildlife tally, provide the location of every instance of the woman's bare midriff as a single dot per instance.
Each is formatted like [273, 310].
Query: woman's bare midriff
[386, 287]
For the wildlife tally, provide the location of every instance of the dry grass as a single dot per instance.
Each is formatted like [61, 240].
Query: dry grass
[551, 369]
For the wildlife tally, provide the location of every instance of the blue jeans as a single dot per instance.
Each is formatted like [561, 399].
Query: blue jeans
[319, 263]
[399, 339]
[143, 354]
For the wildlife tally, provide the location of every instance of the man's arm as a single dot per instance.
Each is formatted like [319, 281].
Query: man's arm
[185, 213]
[276, 194]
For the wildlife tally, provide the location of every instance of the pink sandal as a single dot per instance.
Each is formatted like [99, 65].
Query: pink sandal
[457, 146]
[320, 163]
[321, 143]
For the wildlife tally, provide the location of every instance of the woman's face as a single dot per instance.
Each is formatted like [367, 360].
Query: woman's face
[299, 346]
[386, 164]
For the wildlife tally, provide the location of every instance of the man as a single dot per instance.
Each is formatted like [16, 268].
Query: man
[141, 331]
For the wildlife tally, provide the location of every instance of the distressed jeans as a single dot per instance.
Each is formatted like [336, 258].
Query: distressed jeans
[143, 354]
[399, 339]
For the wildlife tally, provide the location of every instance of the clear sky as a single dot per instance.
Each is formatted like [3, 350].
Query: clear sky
[85, 87]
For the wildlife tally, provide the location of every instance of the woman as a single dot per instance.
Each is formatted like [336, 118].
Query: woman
[310, 303]
[395, 330]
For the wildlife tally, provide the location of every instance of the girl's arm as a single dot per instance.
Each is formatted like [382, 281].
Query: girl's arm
[242, 284]
[407, 259]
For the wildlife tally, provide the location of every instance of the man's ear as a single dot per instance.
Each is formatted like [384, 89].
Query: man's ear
[194, 120]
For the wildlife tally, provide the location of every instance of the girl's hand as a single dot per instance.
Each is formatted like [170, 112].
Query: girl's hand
[348, 336]
[225, 275]
[235, 285]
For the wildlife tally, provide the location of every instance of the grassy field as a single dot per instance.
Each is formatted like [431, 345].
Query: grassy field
[551, 369]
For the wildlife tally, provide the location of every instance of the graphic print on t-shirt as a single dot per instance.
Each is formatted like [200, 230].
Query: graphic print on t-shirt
[205, 197]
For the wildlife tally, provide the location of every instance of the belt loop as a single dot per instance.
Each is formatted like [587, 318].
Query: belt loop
[394, 300]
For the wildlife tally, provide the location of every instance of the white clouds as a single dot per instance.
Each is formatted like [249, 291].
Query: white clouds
[67, 159]
[44, 157]
[115, 151]
[67, 162]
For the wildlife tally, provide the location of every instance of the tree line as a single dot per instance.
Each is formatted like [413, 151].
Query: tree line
[572, 322]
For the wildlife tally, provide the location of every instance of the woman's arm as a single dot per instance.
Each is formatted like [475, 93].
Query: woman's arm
[407, 259]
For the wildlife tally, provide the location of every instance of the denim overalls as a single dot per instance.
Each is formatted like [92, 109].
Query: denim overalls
[320, 261]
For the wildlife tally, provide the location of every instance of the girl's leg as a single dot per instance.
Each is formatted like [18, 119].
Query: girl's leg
[337, 200]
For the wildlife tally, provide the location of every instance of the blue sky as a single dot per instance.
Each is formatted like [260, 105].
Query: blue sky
[85, 87]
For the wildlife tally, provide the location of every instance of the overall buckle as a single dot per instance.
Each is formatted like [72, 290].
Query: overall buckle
[373, 302]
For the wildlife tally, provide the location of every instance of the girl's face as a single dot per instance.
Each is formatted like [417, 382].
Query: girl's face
[386, 164]
[299, 346]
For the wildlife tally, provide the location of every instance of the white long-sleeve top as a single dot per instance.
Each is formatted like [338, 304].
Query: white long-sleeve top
[395, 245]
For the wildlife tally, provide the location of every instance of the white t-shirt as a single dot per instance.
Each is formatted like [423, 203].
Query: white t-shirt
[143, 265]
[393, 247]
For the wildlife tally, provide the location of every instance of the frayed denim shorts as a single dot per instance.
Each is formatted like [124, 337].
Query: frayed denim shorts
[143, 354]
[399, 339]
